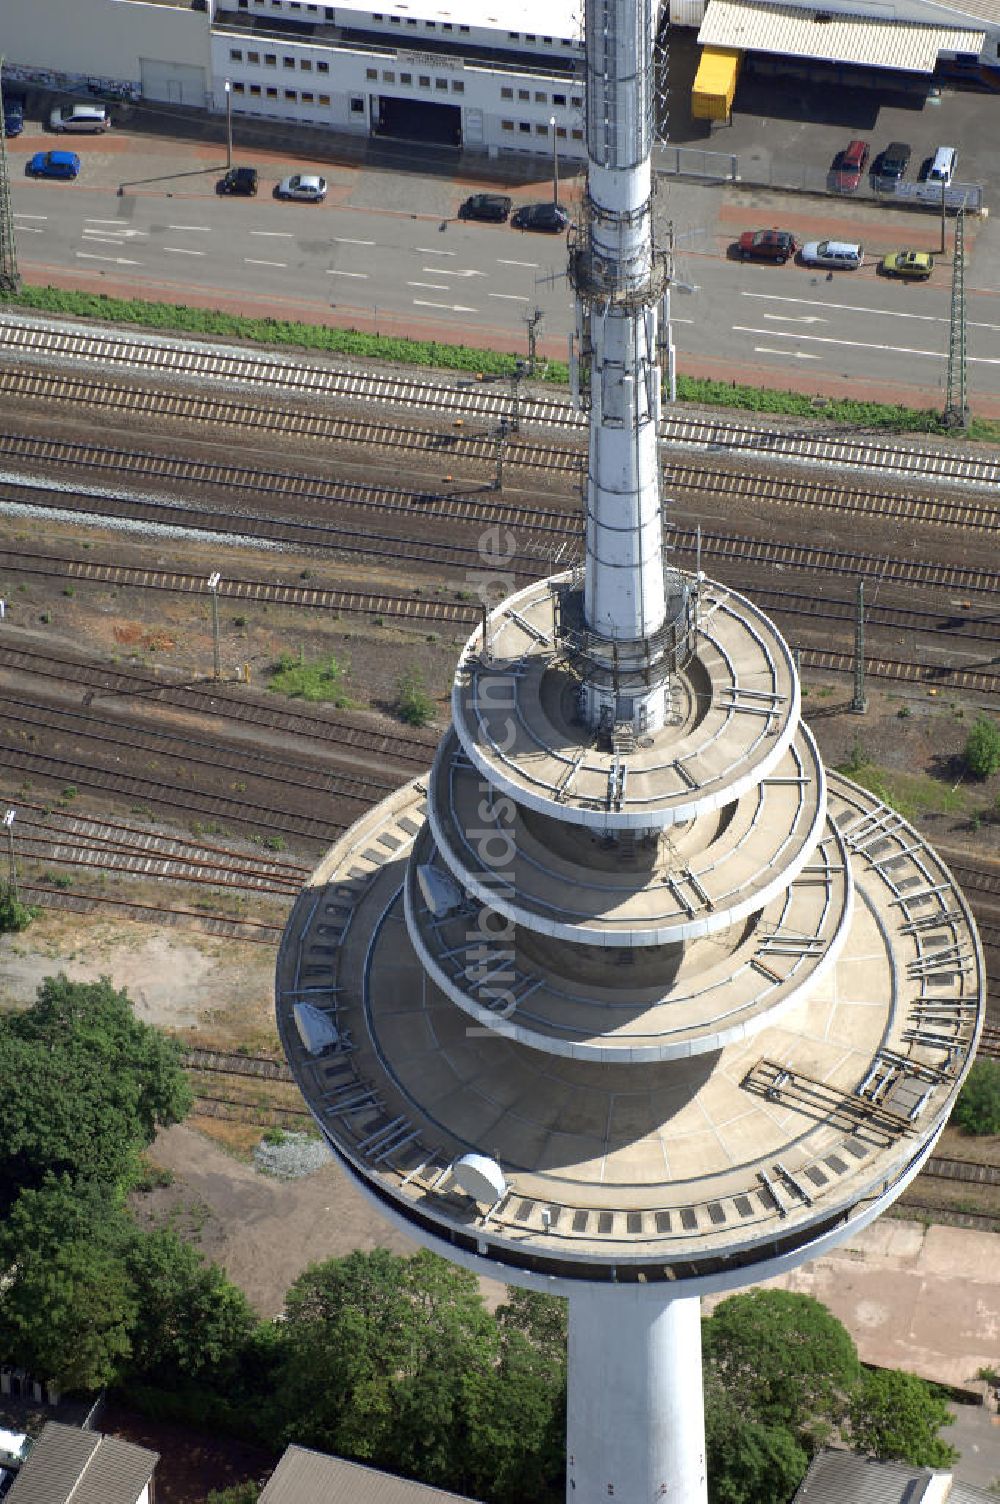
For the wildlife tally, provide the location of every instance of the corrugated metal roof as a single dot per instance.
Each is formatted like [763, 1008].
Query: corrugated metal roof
[836, 1477]
[66, 1464]
[304, 1477]
[792, 31]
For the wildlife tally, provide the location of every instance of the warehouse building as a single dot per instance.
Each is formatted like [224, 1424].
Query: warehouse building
[479, 74]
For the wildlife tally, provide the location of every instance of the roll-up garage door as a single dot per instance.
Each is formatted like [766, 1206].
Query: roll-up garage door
[175, 83]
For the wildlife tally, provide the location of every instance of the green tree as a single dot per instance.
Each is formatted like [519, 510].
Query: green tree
[66, 1303]
[414, 704]
[247, 1492]
[784, 1360]
[897, 1415]
[982, 750]
[748, 1463]
[86, 1085]
[977, 1110]
[191, 1321]
[381, 1355]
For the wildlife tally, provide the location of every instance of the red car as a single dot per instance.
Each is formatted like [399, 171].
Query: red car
[850, 165]
[767, 245]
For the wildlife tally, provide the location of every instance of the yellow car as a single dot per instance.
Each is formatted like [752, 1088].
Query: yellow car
[915, 265]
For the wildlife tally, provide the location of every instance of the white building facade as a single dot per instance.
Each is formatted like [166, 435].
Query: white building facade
[446, 72]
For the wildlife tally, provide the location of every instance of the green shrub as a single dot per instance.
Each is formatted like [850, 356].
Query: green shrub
[413, 703]
[982, 750]
[15, 915]
[319, 681]
[977, 1110]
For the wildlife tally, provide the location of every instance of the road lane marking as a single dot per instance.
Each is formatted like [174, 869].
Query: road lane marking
[204, 229]
[795, 354]
[430, 286]
[20, 214]
[182, 250]
[102, 222]
[346, 240]
[92, 238]
[115, 260]
[251, 262]
[430, 250]
[511, 297]
[796, 318]
[333, 271]
[532, 264]
[273, 234]
[860, 344]
[446, 271]
[29, 230]
[887, 313]
[448, 307]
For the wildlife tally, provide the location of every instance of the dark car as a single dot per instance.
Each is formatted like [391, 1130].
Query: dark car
[494, 207]
[894, 160]
[850, 165]
[242, 180]
[13, 115]
[53, 164]
[551, 219]
[767, 245]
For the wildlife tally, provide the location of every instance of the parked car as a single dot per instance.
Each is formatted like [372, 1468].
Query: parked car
[943, 164]
[914, 265]
[849, 166]
[551, 219]
[494, 207]
[767, 245]
[307, 188]
[92, 118]
[241, 180]
[53, 164]
[894, 161]
[13, 115]
[841, 255]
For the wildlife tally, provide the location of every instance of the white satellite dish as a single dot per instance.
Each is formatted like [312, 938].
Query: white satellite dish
[440, 893]
[479, 1177]
[316, 1030]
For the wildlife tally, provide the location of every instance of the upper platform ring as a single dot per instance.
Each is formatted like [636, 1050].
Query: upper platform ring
[734, 713]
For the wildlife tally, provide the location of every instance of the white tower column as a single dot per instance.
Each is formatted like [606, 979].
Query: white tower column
[636, 1422]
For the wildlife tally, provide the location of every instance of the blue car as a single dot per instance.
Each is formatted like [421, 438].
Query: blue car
[54, 164]
[13, 116]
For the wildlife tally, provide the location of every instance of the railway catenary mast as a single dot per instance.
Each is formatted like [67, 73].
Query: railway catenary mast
[629, 1000]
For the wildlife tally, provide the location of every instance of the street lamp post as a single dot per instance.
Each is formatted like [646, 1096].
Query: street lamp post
[229, 124]
[213, 585]
[555, 162]
[8, 820]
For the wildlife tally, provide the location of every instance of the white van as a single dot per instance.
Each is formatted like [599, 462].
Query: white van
[942, 168]
[80, 117]
[842, 254]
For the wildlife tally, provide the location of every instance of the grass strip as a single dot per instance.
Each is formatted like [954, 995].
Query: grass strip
[433, 354]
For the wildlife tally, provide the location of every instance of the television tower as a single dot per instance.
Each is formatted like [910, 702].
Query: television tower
[628, 1000]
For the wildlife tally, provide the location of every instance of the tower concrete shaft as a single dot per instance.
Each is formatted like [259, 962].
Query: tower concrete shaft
[619, 281]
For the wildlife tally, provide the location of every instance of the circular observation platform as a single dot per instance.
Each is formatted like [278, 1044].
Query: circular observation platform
[580, 883]
[695, 1170]
[734, 711]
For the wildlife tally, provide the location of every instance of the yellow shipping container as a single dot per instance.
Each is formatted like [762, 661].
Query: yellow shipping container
[715, 84]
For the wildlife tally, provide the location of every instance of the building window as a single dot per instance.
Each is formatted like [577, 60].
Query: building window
[291, 94]
[308, 98]
[576, 101]
[410, 21]
[431, 26]
[271, 93]
[322, 67]
[457, 86]
[524, 93]
[395, 20]
[464, 29]
[376, 17]
[244, 4]
[288, 62]
[388, 77]
[406, 78]
[357, 105]
[578, 135]
[305, 65]
[524, 127]
[506, 92]
[515, 36]
[235, 54]
[255, 91]
[270, 59]
[372, 73]
[529, 36]
[447, 26]
[561, 132]
[540, 98]
[441, 84]
[559, 99]
[324, 99]
[506, 125]
[253, 57]
[424, 81]
[238, 88]
[541, 130]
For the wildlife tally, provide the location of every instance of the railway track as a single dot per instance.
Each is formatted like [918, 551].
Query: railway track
[201, 362]
[231, 1063]
[227, 926]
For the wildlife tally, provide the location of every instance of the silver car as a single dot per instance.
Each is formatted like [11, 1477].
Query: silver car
[308, 187]
[842, 255]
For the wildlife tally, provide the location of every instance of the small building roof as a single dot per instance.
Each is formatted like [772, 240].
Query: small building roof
[832, 36]
[70, 1466]
[836, 1477]
[305, 1477]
